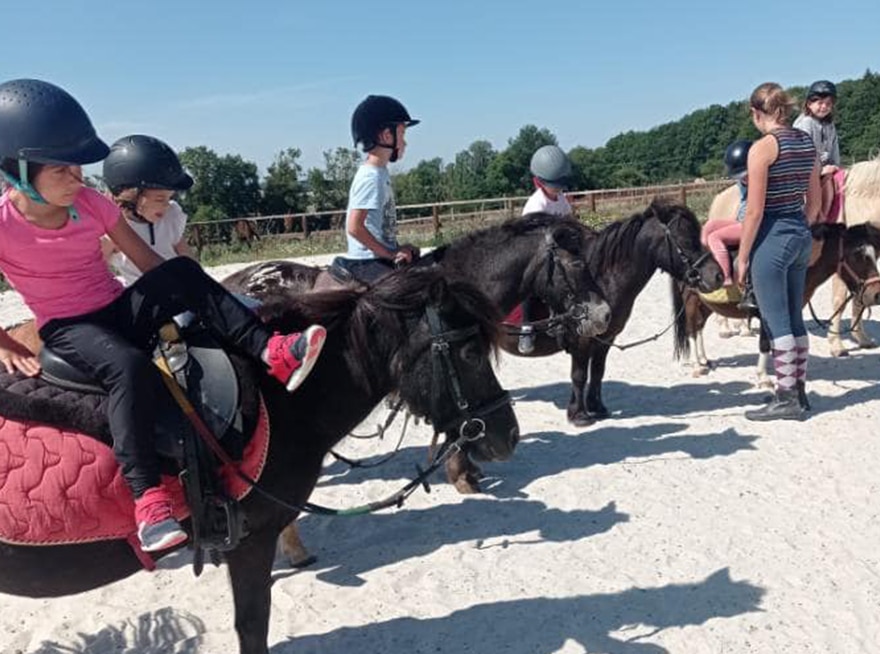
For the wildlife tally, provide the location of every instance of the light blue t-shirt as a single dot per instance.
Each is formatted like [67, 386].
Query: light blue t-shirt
[371, 190]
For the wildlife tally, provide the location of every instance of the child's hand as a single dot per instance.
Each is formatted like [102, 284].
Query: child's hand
[742, 272]
[406, 255]
[16, 356]
[828, 169]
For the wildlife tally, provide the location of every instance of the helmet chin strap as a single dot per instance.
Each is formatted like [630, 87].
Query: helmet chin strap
[395, 152]
[22, 185]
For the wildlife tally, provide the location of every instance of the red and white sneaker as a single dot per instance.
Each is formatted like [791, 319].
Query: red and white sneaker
[291, 357]
[157, 528]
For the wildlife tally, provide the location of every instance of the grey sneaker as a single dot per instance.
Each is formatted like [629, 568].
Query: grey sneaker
[160, 535]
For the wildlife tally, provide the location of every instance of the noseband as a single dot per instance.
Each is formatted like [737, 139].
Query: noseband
[469, 422]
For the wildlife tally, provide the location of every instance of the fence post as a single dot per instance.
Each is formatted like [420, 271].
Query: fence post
[592, 202]
[305, 226]
[435, 215]
[684, 197]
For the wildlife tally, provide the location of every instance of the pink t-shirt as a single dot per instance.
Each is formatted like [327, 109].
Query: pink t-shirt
[59, 272]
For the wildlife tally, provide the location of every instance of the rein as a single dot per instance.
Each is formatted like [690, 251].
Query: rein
[470, 429]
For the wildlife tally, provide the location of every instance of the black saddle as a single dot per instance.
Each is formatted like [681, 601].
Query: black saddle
[211, 385]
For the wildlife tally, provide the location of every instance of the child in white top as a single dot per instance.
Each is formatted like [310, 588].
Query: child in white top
[143, 174]
[551, 169]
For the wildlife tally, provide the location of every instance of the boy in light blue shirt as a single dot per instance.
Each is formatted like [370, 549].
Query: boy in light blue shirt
[379, 124]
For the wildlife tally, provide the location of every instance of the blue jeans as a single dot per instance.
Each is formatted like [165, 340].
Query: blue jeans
[778, 267]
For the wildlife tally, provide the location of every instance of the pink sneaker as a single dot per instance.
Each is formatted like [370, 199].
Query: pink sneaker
[291, 357]
[157, 528]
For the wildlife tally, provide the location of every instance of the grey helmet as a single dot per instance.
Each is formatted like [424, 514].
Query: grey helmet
[42, 123]
[736, 157]
[551, 166]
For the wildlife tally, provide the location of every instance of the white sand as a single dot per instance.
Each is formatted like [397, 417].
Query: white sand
[676, 526]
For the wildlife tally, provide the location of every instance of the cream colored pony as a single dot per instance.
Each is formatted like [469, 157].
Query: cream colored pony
[861, 203]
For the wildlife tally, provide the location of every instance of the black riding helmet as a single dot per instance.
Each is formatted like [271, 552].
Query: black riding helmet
[42, 123]
[372, 115]
[143, 162]
[822, 88]
[736, 157]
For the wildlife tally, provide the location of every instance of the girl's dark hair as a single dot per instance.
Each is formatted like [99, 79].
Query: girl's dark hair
[10, 166]
[805, 109]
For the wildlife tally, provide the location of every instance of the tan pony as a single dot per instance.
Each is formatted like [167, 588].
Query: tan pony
[861, 204]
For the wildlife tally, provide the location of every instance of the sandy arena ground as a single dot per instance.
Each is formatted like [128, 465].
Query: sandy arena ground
[676, 526]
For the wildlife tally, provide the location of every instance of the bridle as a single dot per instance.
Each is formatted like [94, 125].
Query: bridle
[575, 311]
[468, 422]
[860, 284]
[692, 274]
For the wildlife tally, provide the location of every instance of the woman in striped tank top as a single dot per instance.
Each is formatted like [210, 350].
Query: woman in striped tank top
[784, 198]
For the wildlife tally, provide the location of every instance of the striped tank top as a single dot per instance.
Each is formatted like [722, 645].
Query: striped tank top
[789, 176]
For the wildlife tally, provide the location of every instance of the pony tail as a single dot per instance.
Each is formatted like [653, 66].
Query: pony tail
[681, 343]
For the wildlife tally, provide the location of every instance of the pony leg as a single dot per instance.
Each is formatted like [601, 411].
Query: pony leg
[859, 334]
[724, 330]
[293, 548]
[250, 572]
[700, 365]
[577, 412]
[838, 299]
[463, 473]
[762, 377]
[596, 409]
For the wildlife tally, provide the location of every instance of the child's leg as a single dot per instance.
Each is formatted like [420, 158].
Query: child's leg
[722, 234]
[131, 381]
[180, 284]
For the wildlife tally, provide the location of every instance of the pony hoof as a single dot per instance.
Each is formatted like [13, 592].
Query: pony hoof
[868, 344]
[467, 486]
[599, 414]
[581, 420]
[839, 353]
[726, 334]
[700, 371]
[304, 563]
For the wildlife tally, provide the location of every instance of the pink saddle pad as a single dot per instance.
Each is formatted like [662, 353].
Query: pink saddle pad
[61, 487]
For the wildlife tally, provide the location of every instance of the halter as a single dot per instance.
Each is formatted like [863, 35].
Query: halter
[576, 311]
[692, 273]
[860, 284]
[469, 423]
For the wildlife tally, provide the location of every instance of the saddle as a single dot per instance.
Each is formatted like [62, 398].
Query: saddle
[204, 371]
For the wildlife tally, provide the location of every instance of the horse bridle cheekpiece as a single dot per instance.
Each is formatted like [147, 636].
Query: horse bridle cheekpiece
[469, 422]
[574, 310]
[692, 273]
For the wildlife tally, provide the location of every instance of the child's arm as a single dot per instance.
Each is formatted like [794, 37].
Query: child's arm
[133, 246]
[16, 356]
[356, 227]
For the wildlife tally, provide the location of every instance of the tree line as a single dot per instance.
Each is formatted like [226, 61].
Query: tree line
[228, 186]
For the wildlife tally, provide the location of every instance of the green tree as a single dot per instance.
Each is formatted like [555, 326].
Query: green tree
[225, 186]
[328, 188]
[283, 191]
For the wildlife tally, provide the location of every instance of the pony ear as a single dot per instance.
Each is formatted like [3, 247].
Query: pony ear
[569, 238]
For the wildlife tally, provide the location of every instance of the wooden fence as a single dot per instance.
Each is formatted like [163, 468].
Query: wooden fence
[435, 217]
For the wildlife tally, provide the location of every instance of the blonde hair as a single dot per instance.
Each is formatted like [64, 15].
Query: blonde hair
[771, 99]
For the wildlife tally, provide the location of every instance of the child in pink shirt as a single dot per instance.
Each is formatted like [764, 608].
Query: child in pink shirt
[50, 226]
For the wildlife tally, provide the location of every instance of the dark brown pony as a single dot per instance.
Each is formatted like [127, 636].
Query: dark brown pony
[851, 253]
[386, 339]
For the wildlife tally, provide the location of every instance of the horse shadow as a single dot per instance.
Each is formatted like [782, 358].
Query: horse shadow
[354, 547]
[548, 454]
[160, 632]
[644, 400]
[614, 623]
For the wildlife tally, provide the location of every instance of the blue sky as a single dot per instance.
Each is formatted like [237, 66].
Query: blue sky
[255, 77]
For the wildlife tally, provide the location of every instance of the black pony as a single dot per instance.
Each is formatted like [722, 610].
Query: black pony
[425, 337]
[539, 256]
[622, 258]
